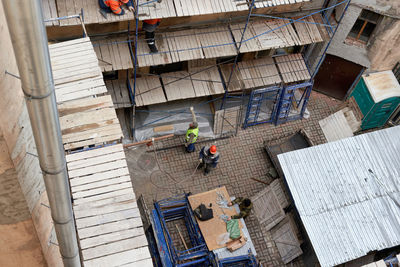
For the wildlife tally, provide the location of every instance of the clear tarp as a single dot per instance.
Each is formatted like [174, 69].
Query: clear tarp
[176, 114]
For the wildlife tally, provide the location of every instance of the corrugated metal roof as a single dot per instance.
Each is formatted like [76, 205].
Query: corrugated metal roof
[347, 194]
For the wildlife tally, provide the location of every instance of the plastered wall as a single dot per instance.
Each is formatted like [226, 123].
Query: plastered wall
[382, 51]
[26, 230]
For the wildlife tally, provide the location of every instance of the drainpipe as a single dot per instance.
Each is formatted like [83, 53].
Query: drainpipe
[28, 35]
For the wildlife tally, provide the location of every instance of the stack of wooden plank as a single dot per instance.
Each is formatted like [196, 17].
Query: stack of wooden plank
[119, 93]
[292, 68]
[107, 218]
[85, 117]
[113, 54]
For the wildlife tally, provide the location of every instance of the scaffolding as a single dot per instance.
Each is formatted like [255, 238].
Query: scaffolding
[247, 101]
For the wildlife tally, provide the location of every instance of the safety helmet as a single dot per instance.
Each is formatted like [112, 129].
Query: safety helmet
[213, 149]
[124, 1]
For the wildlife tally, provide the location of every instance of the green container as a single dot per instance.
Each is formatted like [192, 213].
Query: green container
[378, 96]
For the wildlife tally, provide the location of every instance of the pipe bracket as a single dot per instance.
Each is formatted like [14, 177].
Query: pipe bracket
[52, 173]
[30, 97]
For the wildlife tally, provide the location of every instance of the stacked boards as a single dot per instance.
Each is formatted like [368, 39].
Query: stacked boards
[87, 116]
[107, 218]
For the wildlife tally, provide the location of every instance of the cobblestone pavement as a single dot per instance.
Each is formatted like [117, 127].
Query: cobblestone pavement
[242, 157]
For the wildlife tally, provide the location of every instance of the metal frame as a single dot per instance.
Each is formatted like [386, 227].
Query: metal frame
[248, 260]
[233, 95]
[172, 209]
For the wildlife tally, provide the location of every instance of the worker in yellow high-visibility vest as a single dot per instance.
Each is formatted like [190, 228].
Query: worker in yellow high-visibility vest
[191, 134]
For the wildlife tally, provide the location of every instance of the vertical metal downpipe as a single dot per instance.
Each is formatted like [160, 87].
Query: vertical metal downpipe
[28, 35]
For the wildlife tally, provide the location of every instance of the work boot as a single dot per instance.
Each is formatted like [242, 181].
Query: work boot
[103, 13]
[206, 172]
[153, 48]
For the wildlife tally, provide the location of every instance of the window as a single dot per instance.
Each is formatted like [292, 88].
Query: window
[364, 26]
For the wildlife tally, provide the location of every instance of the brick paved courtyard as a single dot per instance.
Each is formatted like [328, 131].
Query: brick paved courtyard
[242, 157]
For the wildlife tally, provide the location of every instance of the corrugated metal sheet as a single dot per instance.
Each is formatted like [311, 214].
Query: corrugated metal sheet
[347, 210]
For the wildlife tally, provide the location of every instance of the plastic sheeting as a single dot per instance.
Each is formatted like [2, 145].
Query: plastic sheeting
[177, 115]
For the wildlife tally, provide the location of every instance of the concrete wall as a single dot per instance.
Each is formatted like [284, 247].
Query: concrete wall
[381, 52]
[25, 224]
[349, 52]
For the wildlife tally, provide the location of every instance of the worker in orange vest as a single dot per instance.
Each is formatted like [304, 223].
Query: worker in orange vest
[114, 6]
[149, 26]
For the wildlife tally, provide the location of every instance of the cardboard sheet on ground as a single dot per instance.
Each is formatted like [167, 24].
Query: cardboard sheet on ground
[214, 227]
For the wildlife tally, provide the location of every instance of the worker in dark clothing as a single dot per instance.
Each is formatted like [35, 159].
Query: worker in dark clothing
[208, 158]
[192, 133]
[245, 207]
[149, 27]
[114, 6]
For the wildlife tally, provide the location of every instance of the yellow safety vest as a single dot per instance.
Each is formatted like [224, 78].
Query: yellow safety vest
[192, 131]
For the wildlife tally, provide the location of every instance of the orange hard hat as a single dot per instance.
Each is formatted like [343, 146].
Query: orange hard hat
[124, 1]
[213, 149]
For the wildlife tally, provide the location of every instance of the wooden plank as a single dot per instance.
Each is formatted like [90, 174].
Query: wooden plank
[142, 263]
[84, 201]
[120, 258]
[335, 127]
[95, 161]
[279, 190]
[179, 87]
[99, 168]
[98, 140]
[112, 248]
[87, 117]
[267, 208]
[101, 190]
[111, 237]
[109, 228]
[91, 178]
[107, 218]
[94, 152]
[100, 184]
[286, 241]
[118, 203]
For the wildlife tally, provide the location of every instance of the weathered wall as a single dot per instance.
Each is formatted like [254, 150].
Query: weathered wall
[25, 224]
[338, 48]
[383, 51]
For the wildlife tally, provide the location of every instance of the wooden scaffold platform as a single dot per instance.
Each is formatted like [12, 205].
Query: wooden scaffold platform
[107, 218]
